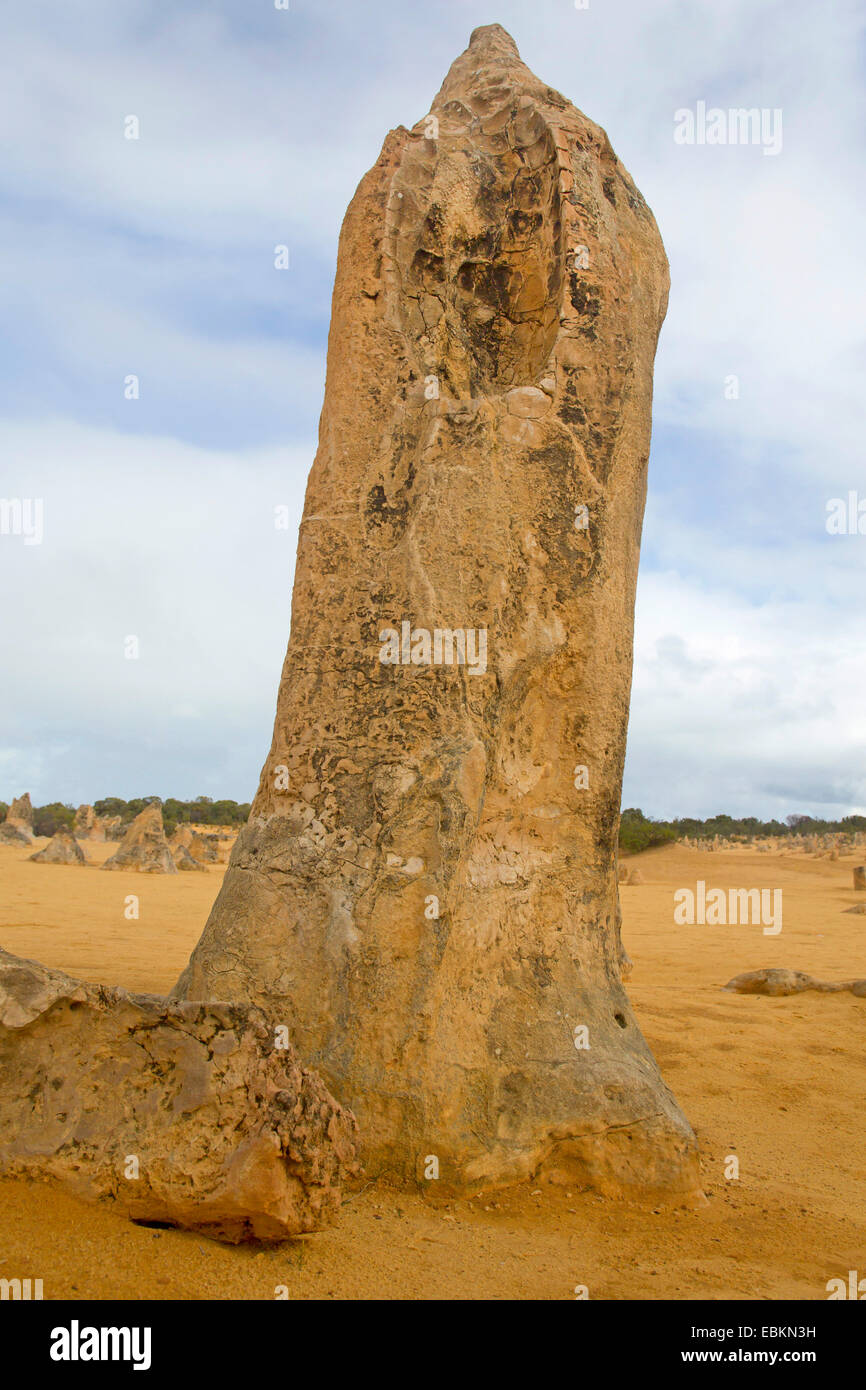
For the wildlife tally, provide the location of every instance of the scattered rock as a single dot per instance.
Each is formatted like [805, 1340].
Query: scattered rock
[185, 862]
[778, 982]
[204, 848]
[860, 878]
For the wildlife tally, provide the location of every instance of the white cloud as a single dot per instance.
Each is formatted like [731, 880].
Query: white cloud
[752, 709]
[177, 547]
[150, 256]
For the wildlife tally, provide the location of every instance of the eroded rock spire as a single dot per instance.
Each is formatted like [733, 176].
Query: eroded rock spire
[426, 890]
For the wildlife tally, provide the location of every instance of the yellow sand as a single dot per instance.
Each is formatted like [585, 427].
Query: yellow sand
[778, 1082]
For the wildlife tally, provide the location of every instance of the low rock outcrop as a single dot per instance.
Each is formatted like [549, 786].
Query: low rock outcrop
[777, 982]
[198, 1115]
[12, 835]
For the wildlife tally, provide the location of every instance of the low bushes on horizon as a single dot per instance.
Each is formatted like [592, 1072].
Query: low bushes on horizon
[200, 811]
[637, 832]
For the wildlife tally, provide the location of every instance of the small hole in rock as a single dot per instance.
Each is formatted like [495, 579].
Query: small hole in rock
[620, 1018]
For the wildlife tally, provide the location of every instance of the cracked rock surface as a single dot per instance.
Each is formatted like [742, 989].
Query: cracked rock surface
[426, 889]
[187, 1114]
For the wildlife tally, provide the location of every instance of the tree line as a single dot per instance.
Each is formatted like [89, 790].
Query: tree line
[57, 815]
[636, 831]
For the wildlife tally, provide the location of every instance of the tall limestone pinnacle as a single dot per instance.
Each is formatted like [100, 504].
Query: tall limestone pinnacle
[426, 889]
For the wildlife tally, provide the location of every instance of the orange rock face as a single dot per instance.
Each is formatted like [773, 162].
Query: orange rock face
[426, 889]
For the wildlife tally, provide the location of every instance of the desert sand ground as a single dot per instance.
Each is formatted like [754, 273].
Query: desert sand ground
[778, 1082]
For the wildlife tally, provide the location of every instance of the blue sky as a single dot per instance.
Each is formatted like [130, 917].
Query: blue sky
[155, 257]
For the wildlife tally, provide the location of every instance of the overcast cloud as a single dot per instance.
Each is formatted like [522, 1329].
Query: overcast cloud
[155, 258]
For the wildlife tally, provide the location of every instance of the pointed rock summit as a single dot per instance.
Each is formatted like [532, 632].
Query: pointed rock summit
[144, 848]
[426, 888]
[17, 828]
[63, 848]
[21, 812]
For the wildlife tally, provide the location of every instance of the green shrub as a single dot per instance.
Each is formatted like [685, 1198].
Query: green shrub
[637, 832]
[47, 820]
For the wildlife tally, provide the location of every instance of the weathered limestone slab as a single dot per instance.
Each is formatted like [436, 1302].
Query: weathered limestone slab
[184, 1113]
[426, 888]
